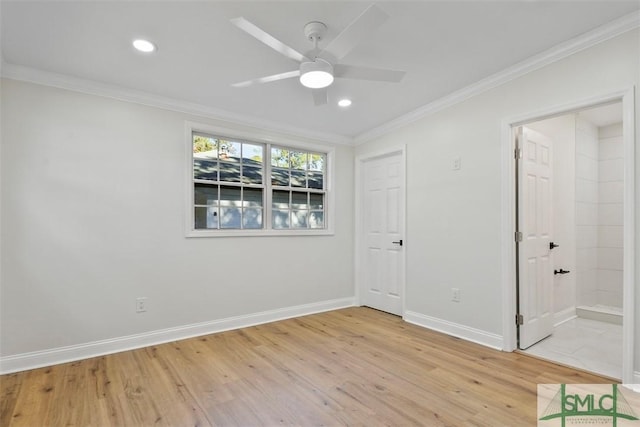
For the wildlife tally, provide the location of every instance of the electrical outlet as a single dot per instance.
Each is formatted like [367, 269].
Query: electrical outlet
[455, 294]
[141, 304]
[456, 164]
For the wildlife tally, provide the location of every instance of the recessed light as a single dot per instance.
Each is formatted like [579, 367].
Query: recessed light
[144, 45]
[344, 102]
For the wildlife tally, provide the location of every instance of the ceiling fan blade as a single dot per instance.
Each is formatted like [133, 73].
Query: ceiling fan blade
[320, 96]
[362, 26]
[268, 39]
[268, 79]
[365, 73]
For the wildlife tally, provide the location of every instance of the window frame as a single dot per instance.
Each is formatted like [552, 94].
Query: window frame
[268, 141]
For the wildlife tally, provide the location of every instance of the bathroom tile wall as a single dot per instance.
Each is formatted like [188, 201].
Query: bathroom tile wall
[610, 216]
[587, 192]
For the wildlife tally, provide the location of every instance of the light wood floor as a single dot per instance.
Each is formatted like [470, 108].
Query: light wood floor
[355, 366]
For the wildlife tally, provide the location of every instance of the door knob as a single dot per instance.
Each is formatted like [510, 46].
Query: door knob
[553, 245]
[561, 271]
[399, 242]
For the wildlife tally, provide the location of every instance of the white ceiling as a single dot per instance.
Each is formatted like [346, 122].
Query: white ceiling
[604, 115]
[443, 45]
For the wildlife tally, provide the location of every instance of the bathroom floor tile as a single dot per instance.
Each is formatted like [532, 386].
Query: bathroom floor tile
[585, 344]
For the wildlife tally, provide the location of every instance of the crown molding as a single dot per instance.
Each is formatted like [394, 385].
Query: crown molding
[46, 78]
[605, 32]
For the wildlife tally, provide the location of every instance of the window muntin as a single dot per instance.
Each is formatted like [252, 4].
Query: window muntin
[230, 191]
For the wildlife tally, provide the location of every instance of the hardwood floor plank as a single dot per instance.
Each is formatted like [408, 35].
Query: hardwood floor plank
[355, 366]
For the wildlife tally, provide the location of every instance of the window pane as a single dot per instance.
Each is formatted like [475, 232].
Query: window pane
[204, 147]
[205, 169]
[206, 194]
[298, 160]
[280, 157]
[229, 172]
[229, 150]
[280, 177]
[251, 175]
[299, 219]
[280, 200]
[316, 220]
[206, 218]
[229, 217]
[316, 201]
[298, 178]
[316, 180]
[252, 154]
[230, 196]
[252, 218]
[252, 197]
[280, 219]
[299, 200]
[316, 162]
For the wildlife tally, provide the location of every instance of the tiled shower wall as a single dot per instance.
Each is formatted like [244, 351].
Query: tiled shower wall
[610, 216]
[599, 207]
[587, 155]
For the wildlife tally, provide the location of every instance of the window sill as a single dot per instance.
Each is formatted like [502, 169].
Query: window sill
[257, 233]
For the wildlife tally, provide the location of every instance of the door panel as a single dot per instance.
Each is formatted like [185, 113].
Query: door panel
[394, 270]
[535, 281]
[383, 204]
[373, 273]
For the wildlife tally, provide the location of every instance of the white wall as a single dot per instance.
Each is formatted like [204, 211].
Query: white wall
[454, 217]
[610, 219]
[93, 217]
[562, 132]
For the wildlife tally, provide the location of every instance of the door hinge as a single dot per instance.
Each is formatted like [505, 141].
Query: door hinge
[517, 153]
[518, 236]
[519, 319]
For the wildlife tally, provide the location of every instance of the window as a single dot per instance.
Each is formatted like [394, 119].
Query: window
[241, 187]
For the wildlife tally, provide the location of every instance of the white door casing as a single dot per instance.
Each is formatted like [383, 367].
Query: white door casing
[535, 278]
[509, 274]
[382, 212]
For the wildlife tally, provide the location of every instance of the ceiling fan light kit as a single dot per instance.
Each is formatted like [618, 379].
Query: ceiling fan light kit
[316, 74]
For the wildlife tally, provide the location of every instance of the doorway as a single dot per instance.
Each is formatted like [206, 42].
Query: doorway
[575, 284]
[380, 242]
[583, 282]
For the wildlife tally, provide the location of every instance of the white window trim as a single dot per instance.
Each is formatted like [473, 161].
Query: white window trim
[264, 138]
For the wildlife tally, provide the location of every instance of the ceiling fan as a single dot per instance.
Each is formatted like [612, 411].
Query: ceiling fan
[318, 68]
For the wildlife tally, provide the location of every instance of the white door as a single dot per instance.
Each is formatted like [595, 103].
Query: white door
[382, 212]
[535, 278]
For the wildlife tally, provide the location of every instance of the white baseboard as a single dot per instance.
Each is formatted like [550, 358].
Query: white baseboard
[601, 314]
[635, 385]
[564, 316]
[461, 331]
[38, 359]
